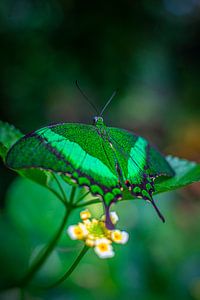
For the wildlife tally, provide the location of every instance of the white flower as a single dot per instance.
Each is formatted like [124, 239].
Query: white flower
[113, 216]
[119, 237]
[77, 232]
[103, 248]
[89, 242]
[85, 214]
[96, 235]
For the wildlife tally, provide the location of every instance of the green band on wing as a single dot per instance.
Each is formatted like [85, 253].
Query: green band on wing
[78, 157]
[137, 159]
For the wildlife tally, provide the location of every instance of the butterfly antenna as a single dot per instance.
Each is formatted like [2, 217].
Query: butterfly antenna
[108, 102]
[158, 211]
[86, 98]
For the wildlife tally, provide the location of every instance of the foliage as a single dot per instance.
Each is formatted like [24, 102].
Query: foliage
[150, 51]
[186, 172]
[23, 213]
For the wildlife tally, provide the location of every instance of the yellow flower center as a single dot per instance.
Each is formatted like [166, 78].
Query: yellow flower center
[96, 230]
[78, 232]
[117, 236]
[103, 247]
[95, 234]
[85, 215]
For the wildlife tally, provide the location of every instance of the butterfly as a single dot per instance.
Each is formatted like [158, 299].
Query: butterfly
[104, 159]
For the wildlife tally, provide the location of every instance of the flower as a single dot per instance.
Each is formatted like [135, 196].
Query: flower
[119, 237]
[77, 232]
[96, 235]
[113, 216]
[85, 214]
[103, 248]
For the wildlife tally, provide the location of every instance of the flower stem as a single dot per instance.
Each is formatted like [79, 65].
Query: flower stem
[46, 252]
[89, 202]
[60, 187]
[71, 269]
[82, 197]
[57, 195]
[73, 190]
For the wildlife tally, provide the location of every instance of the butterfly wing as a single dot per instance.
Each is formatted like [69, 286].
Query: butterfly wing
[139, 163]
[74, 150]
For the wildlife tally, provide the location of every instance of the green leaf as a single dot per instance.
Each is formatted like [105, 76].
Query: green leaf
[34, 209]
[43, 178]
[8, 136]
[3, 151]
[186, 172]
[14, 251]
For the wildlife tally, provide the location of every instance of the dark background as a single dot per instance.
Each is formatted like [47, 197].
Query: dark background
[149, 50]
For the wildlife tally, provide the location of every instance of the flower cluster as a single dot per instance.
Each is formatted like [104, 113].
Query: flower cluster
[95, 234]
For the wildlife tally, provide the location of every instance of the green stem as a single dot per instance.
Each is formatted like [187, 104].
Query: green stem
[89, 202]
[71, 269]
[82, 197]
[57, 195]
[73, 190]
[39, 262]
[60, 187]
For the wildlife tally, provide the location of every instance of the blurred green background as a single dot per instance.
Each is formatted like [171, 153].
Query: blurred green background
[149, 50]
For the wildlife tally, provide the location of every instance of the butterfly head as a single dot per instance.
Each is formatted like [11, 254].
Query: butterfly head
[98, 121]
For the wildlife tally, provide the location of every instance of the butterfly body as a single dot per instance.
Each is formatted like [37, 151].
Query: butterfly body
[104, 159]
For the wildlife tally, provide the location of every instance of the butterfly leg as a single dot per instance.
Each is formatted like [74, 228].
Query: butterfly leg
[108, 199]
[109, 223]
